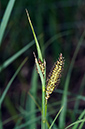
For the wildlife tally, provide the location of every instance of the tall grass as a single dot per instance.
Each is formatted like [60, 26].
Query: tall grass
[6, 18]
[7, 88]
[33, 107]
[43, 79]
[64, 99]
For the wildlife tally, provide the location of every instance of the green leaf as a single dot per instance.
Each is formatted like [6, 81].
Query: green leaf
[56, 117]
[10, 82]
[15, 56]
[6, 18]
[36, 41]
[64, 98]
[77, 122]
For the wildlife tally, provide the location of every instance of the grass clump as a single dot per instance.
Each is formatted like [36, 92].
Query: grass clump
[30, 109]
[54, 77]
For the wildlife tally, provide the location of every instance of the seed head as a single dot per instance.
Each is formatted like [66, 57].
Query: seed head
[41, 64]
[54, 76]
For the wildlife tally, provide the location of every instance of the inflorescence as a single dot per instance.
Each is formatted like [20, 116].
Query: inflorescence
[54, 75]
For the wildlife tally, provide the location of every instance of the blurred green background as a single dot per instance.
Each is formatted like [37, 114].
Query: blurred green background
[59, 25]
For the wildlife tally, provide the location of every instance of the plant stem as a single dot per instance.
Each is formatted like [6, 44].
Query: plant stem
[43, 123]
[44, 104]
[45, 107]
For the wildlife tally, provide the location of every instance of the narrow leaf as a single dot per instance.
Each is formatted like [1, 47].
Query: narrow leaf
[6, 18]
[36, 41]
[10, 82]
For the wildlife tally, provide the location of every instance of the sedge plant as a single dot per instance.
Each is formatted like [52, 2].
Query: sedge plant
[53, 79]
[47, 86]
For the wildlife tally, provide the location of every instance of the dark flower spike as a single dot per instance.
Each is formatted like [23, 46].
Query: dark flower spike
[54, 76]
[41, 64]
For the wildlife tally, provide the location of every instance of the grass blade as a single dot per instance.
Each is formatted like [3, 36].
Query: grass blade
[53, 38]
[6, 18]
[10, 82]
[77, 122]
[36, 41]
[64, 99]
[80, 117]
[81, 125]
[30, 101]
[27, 123]
[56, 117]
[77, 102]
[15, 56]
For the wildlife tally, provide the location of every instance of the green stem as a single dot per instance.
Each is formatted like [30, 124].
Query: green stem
[44, 104]
[43, 124]
[45, 107]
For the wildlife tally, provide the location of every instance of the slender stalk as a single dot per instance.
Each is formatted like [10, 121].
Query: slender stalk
[44, 104]
[43, 123]
[44, 107]
[56, 118]
[43, 79]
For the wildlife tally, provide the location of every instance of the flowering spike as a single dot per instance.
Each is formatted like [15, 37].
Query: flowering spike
[54, 76]
[41, 64]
